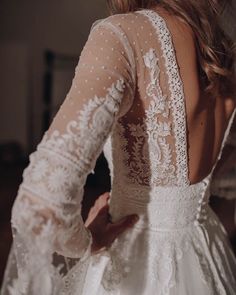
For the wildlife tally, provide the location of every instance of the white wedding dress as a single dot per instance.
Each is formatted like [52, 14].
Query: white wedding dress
[127, 98]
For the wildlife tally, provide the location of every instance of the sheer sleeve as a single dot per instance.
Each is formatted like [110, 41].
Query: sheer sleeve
[46, 215]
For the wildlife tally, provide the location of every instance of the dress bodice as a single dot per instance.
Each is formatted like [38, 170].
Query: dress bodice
[147, 153]
[127, 97]
[148, 145]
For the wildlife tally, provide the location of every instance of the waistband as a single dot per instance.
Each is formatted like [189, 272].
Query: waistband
[161, 208]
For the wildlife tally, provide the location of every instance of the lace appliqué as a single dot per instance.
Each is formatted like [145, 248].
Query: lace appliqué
[177, 95]
[118, 267]
[159, 104]
[54, 180]
[151, 151]
[59, 165]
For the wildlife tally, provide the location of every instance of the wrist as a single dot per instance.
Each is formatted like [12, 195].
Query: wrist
[97, 246]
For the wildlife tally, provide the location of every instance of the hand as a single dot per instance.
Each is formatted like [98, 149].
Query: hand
[103, 231]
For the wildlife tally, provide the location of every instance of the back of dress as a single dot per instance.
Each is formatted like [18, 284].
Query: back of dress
[162, 154]
[150, 147]
[133, 96]
[153, 144]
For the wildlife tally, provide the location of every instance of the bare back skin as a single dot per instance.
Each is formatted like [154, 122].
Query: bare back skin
[135, 88]
[207, 117]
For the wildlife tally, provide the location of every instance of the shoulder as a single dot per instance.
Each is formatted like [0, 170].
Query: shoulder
[175, 24]
[126, 22]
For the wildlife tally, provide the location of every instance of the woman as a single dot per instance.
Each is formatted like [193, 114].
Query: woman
[154, 89]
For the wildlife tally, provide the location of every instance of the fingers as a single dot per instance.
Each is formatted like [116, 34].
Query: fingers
[123, 224]
[102, 201]
[98, 222]
[101, 204]
[100, 208]
[104, 210]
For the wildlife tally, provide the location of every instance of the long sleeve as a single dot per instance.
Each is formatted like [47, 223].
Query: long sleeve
[46, 215]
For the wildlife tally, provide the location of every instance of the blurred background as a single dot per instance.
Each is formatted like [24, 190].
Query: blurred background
[40, 44]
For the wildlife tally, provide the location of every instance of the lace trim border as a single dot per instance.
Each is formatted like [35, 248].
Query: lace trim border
[177, 94]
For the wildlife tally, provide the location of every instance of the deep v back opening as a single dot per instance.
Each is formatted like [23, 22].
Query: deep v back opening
[156, 21]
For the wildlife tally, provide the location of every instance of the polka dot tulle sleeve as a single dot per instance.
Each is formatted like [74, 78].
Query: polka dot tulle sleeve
[46, 217]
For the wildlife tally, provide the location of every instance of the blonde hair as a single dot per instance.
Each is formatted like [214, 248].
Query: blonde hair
[216, 52]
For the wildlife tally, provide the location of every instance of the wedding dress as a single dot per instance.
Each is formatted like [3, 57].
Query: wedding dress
[127, 98]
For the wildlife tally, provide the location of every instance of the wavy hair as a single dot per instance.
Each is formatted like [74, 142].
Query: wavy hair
[216, 51]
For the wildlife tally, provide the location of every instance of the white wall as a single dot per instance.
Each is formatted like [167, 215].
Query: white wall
[60, 25]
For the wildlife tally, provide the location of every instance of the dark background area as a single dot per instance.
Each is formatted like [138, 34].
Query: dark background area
[40, 44]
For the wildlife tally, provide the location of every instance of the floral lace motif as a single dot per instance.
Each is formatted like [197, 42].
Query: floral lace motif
[57, 172]
[177, 95]
[148, 160]
[161, 253]
[153, 152]
[156, 153]
[53, 185]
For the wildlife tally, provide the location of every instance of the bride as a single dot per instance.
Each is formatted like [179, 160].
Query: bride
[154, 89]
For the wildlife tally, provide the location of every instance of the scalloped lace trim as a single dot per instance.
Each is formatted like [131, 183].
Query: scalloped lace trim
[177, 95]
